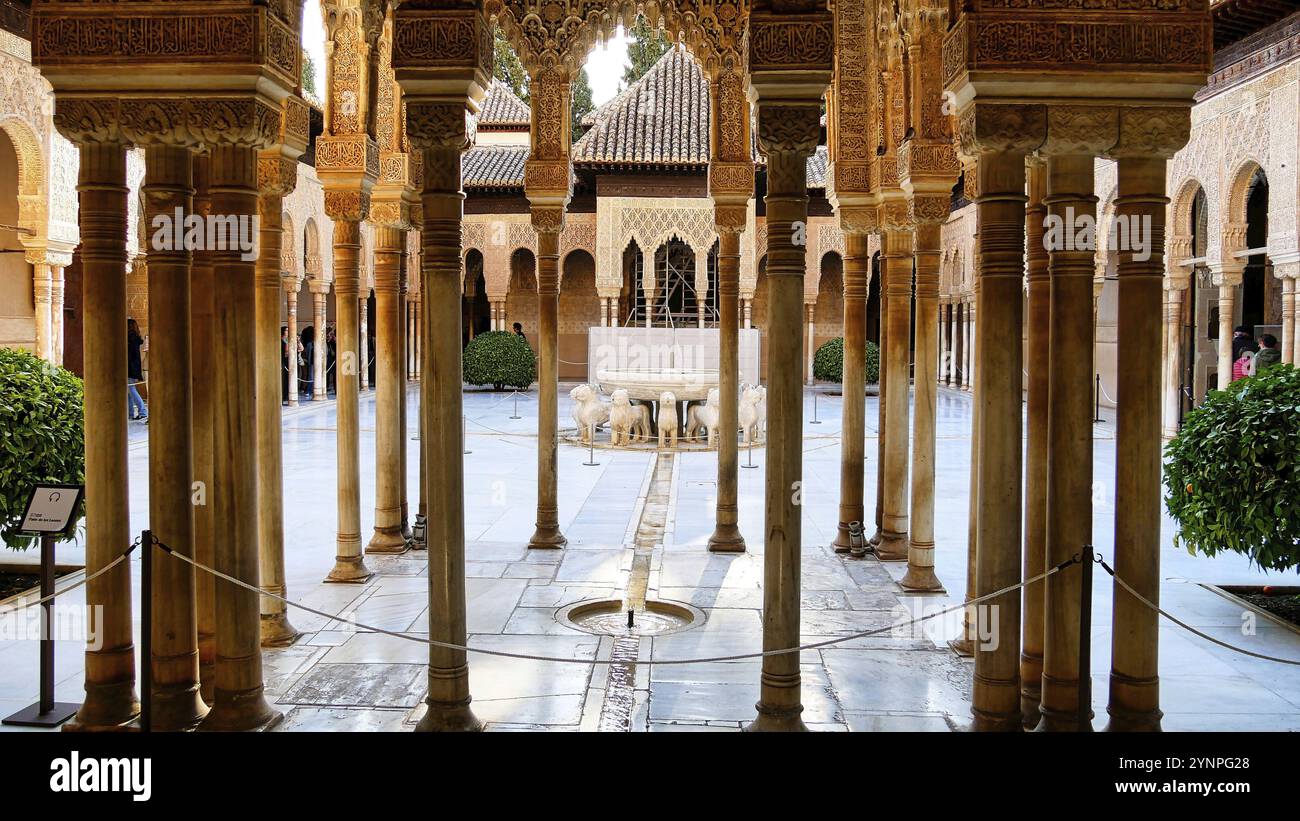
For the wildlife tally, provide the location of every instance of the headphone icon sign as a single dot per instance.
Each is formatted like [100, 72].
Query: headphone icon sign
[55, 496]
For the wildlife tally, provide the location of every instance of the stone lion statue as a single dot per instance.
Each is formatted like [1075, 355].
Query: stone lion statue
[624, 419]
[588, 410]
[752, 411]
[704, 416]
[667, 419]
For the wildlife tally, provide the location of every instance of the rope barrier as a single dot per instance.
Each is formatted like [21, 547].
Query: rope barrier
[4, 611]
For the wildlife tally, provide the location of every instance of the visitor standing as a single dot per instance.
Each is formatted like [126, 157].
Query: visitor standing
[1267, 356]
[284, 364]
[306, 363]
[135, 344]
[1242, 339]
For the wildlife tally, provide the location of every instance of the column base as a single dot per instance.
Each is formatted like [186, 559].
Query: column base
[349, 570]
[449, 717]
[776, 720]
[921, 579]
[842, 543]
[246, 712]
[1054, 721]
[963, 647]
[892, 547]
[989, 723]
[1124, 721]
[547, 537]
[107, 708]
[177, 710]
[277, 631]
[726, 538]
[387, 540]
[1029, 712]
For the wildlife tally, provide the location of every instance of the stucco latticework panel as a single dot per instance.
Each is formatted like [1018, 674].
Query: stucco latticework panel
[957, 239]
[306, 207]
[651, 223]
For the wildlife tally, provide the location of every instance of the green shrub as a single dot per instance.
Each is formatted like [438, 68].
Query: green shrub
[828, 362]
[1233, 472]
[41, 436]
[499, 359]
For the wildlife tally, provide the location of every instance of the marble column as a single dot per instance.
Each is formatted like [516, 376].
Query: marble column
[56, 312]
[177, 704]
[1037, 337]
[319, 293]
[726, 536]
[363, 338]
[202, 367]
[896, 265]
[1229, 279]
[882, 403]
[389, 393]
[810, 310]
[857, 271]
[441, 431]
[402, 426]
[998, 395]
[1134, 674]
[410, 338]
[1288, 319]
[749, 314]
[239, 702]
[42, 297]
[788, 134]
[968, 331]
[110, 701]
[277, 178]
[548, 223]
[1175, 292]
[920, 549]
[349, 566]
[1069, 198]
[291, 322]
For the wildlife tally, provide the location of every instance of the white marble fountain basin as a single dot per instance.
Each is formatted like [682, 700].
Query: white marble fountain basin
[647, 385]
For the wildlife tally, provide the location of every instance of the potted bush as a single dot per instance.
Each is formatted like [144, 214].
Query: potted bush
[499, 359]
[41, 437]
[828, 362]
[1233, 472]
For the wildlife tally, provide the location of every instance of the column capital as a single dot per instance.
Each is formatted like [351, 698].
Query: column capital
[999, 128]
[1156, 132]
[547, 219]
[1080, 130]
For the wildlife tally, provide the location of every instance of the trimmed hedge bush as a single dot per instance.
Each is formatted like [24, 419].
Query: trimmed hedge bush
[499, 359]
[41, 438]
[1233, 472]
[828, 362]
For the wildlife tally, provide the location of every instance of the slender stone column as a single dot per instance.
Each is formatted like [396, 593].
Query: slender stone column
[896, 264]
[442, 440]
[1288, 319]
[277, 176]
[788, 134]
[1069, 199]
[857, 270]
[409, 307]
[348, 563]
[202, 366]
[56, 312]
[177, 705]
[954, 347]
[882, 403]
[42, 297]
[1036, 366]
[998, 391]
[964, 645]
[363, 338]
[1134, 673]
[1229, 279]
[407, 534]
[319, 292]
[726, 536]
[920, 549]
[110, 660]
[1175, 291]
[389, 392]
[291, 322]
[968, 332]
[238, 699]
[548, 222]
[749, 314]
[810, 310]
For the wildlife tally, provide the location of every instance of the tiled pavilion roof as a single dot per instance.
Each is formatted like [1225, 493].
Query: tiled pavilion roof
[502, 110]
[494, 166]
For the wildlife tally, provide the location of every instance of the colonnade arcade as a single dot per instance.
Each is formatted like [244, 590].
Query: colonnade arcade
[911, 94]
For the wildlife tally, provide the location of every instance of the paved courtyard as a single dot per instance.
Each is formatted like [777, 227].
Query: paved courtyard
[636, 522]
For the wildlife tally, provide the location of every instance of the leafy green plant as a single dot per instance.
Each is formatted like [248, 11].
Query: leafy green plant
[41, 438]
[828, 362]
[499, 359]
[1233, 472]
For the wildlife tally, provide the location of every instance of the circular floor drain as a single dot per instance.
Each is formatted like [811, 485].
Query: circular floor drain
[608, 617]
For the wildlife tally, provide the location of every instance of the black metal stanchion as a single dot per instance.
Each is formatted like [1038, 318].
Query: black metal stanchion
[750, 454]
[516, 416]
[46, 712]
[857, 544]
[591, 449]
[464, 435]
[1096, 415]
[815, 420]
[146, 631]
[1085, 640]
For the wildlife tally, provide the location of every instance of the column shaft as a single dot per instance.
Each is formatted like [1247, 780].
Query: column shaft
[726, 536]
[1227, 309]
[291, 322]
[998, 394]
[882, 403]
[1288, 319]
[548, 533]
[896, 264]
[857, 270]
[1134, 672]
[348, 564]
[202, 365]
[238, 700]
[177, 705]
[363, 339]
[1173, 395]
[1069, 435]
[110, 660]
[320, 388]
[442, 442]
[920, 549]
[388, 536]
[42, 285]
[277, 630]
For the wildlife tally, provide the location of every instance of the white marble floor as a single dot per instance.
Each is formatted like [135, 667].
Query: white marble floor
[339, 678]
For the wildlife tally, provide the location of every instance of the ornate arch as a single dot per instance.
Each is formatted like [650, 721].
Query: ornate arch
[311, 250]
[1234, 215]
[31, 178]
[289, 247]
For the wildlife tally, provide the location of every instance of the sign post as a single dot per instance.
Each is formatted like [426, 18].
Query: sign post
[50, 513]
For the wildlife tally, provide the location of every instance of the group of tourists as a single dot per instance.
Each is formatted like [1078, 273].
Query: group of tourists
[1249, 357]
